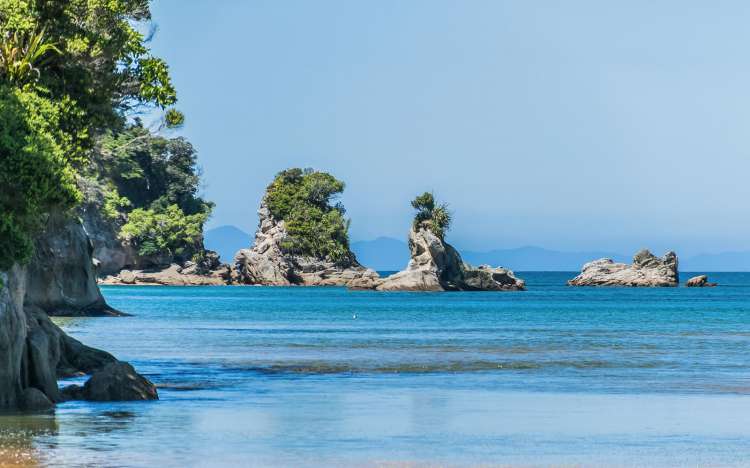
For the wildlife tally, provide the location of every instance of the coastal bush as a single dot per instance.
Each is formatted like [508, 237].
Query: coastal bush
[170, 231]
[35, 169]
[315, 226]
[430, 215]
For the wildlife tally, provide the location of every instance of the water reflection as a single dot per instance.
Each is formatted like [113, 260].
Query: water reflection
[18, 436]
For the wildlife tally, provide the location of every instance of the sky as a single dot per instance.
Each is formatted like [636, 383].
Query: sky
[575, 125]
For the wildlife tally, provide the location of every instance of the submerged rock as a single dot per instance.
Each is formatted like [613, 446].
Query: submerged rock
[647, 270]
[436, 266]
[267, 264]
[700, 281]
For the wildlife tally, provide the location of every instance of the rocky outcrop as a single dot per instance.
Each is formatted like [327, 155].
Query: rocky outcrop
[117, 381]
[647, 270]
[267, 264]
[207, 273]
[436, 266]
[700, 281]
[61, 277]
[12, 337]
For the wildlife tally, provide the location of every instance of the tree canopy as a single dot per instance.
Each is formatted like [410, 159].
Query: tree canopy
[69, 70]
[315, 226]
[430, 215]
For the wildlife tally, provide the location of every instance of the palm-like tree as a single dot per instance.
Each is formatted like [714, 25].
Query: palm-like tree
[21, 54]
[430, 215]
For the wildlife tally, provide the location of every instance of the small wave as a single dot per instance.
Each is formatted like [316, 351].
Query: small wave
[323, 368]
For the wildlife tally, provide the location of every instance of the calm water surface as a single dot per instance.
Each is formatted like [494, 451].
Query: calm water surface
[554, 376]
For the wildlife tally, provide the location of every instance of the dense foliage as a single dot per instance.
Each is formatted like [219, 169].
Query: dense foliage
[152, 183]
[69, 70]
[431, 216]
[165, 232]
[315, 227]
[35, 170]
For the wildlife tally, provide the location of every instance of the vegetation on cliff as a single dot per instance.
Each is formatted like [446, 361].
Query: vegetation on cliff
[151, 186]
[430, 215]
[72, 76]
[315, 226]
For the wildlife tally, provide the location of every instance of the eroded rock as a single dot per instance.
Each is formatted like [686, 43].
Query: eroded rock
[436, 266]
[647, 270]
[700, 281]
[267, 264]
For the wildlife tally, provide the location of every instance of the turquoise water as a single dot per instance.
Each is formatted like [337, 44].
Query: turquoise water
[253, 376]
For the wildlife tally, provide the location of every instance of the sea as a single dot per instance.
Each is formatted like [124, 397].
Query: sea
[297, 377]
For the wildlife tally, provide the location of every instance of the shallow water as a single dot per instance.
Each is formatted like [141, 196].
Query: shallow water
[553, 376]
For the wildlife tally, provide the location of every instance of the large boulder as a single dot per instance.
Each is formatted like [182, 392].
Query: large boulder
[267, 264]
[436, 266]
[12, 336]
[647, 270]
[117, 381]
[61, 277]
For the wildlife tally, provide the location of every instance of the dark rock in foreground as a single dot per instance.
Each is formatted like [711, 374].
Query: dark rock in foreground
[647, 270]
[117, 381]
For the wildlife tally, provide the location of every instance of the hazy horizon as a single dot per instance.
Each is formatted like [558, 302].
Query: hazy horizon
[575, 126]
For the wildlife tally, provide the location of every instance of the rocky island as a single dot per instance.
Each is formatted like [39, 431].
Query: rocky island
[647, 270]
[436, 266]
[302, 238]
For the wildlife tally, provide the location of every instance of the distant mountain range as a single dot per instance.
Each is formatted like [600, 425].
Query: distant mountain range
[389, 254]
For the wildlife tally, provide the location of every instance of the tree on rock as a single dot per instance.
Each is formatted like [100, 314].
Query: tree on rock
[430, 216]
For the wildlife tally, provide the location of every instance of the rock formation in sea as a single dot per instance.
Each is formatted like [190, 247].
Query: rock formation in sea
[647, 270]
[436, 266]
[268, 263]
[700, 281]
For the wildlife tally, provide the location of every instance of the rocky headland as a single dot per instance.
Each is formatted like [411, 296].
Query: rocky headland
[647, 270]
[436, 266]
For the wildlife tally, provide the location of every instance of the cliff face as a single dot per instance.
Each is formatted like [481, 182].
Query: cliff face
[12, 336]
[647, 270]
[436, 266]
[61, 277]
[267, 264]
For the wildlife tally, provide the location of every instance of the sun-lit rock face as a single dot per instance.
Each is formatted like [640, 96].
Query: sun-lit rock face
[267, 264]
[647, 270]
[436, 266]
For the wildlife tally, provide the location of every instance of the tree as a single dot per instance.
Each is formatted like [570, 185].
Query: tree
[430, 216]
[315, 226]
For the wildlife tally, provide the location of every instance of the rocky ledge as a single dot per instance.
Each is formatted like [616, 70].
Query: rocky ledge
[267, 264]
[436, 266]
[647, 270]
[209, 272]
[700, 281]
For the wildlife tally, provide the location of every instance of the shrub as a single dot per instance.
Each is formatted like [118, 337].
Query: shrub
[170, 231]
[430, 216]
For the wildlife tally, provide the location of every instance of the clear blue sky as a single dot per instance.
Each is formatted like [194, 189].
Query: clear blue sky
[570, 125]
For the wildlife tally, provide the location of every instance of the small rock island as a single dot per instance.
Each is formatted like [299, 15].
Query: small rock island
[435, 265]
[302, 238]
[647, 270]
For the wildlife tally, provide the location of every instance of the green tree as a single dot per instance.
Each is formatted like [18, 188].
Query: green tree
[315, 226]
[169, 232]
[430, 215]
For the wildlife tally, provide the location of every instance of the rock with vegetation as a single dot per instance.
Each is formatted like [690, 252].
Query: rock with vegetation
[647, 270]
[69, 72]
[700, 281]
[436, 266]
[302, 238]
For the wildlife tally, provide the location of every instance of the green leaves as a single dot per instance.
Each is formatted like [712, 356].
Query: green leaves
[302, 199]
[435, 218]
[21, 54]
[169, 232]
